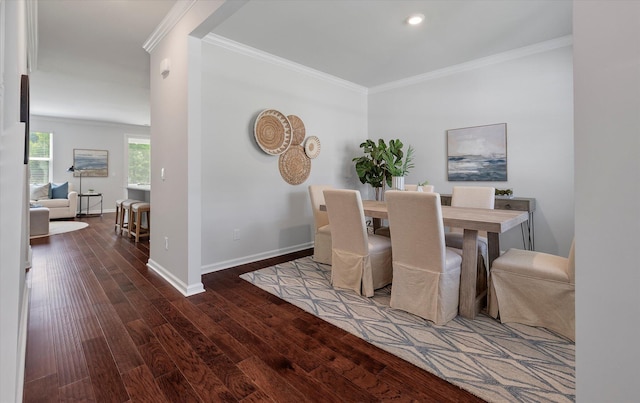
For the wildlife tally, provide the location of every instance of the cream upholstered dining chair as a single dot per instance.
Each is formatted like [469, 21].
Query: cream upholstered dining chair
[384, 231]
[322, 237]
[359, 262]
[535, 289]
[473, 197]
[426, 274]
[419, 188]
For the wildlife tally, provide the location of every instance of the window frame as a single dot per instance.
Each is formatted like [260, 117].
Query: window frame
[125, 171]
[48, 159]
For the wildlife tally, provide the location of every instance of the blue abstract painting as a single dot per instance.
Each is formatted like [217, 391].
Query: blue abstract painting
[91, 162]
[477, 153]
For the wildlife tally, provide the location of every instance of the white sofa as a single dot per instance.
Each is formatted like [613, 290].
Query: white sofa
[58, 208]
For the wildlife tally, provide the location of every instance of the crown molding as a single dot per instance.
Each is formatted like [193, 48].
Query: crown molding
[476, 64]
[168, 22]
[31, 7]
[245, 50]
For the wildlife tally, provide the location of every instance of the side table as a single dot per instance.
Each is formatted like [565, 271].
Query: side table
[88, 196]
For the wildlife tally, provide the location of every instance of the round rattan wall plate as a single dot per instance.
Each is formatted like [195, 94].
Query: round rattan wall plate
[273, 132]
[312, 147]
[298, 129]
[295, 166]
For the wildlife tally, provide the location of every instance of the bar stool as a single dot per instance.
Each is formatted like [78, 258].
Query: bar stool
[137, 230]
[125, 211]
[118, 208]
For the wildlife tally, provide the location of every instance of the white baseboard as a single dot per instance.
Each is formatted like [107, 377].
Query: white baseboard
[22, 341]
[186, 289]
[210, 268]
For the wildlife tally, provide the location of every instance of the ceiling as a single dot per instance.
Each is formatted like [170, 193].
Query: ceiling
[91, 64]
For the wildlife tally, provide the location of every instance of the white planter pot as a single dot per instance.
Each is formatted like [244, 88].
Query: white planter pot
[397, 182]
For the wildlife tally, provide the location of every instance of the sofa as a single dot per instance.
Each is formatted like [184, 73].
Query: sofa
[59, 198]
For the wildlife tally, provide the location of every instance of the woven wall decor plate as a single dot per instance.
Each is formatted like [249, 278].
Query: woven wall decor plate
[295, 166]
[312, 147]
[298, 129]
[273, 132]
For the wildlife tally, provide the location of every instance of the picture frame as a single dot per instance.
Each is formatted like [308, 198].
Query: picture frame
[24, 113]
[90, 163]
[477, 154]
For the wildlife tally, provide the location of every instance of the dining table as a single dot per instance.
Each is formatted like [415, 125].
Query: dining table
[471, 220]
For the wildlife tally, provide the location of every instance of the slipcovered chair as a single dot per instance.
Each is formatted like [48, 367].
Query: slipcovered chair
[426, 274]
[384, 231]
[360, 262]
[416, 188]
[535, 289]
[322, 237]
[473, 197]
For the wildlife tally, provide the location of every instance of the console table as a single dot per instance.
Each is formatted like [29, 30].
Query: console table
[88, 196]
[512, 203]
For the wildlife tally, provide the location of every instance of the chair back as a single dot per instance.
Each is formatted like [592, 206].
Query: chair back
[418, 188]
[317, 198]
[572, 263]
[415, 220]
[346, 218]
[473, 197]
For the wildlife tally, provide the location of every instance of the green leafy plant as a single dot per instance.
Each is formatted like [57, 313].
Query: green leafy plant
[371, 167]
[397, 164]
[504, 192]
[423, 183]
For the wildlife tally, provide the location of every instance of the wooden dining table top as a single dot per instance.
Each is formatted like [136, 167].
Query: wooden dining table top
[497, 221]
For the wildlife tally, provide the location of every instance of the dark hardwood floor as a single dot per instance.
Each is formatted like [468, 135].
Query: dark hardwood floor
[103, 327]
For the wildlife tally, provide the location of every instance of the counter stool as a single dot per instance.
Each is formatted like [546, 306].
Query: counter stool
[118, 208]
[125, 212]
[136, 229]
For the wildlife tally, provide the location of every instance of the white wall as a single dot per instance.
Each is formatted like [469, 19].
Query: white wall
[607, 149]
[532, 94]
[14, 293]
[73, 133]
[241, 185]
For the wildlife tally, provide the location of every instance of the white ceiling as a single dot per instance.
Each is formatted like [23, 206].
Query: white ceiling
[91, 64]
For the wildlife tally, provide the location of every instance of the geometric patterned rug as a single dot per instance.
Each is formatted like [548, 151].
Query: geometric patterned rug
[494, 361]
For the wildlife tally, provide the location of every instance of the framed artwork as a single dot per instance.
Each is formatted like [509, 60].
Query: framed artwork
[24, 113]
[477, 153]
[90, 162]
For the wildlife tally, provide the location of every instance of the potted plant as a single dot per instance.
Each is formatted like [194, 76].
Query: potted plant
[421, 185]
[371, 166]
[397, 164]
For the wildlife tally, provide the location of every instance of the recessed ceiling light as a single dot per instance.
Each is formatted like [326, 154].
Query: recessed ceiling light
[415, 19]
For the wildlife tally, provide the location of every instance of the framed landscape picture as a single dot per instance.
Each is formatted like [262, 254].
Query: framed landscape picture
[90, 162]
[477, 153]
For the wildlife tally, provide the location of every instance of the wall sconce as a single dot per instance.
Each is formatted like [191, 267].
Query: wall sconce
[165, 67]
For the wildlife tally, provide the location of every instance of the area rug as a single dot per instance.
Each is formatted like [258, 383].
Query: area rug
[60, 227]
[499, 363]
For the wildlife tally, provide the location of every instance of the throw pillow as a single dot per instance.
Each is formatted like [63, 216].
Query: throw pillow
[39, 192]
[59, 191]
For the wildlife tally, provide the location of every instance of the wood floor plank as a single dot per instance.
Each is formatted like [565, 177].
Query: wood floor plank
[43, 389]
[108, 385]
[105, 327]
[270, 382]
[199, 376]
[79, 391]
[142, 387]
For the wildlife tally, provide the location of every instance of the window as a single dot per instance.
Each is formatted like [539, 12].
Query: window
[138, 151]
[40, 157]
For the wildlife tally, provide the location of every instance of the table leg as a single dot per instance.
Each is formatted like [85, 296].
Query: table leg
[468, 274]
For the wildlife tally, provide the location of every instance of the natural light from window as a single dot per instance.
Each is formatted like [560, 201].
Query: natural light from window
[40, 157]
[138, 151]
